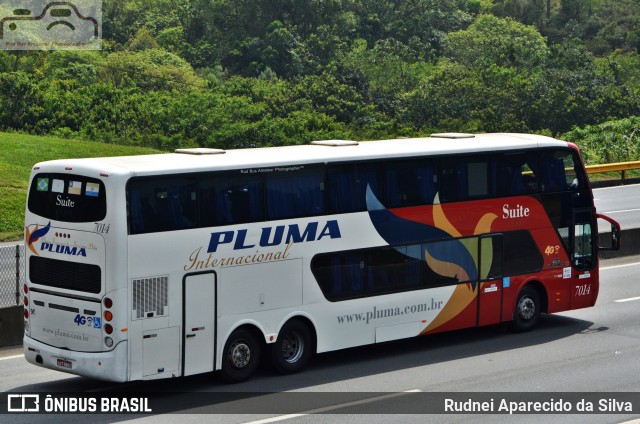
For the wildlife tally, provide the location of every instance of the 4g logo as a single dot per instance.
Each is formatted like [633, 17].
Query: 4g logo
[552, 250]
[80, 320]
[93, 322]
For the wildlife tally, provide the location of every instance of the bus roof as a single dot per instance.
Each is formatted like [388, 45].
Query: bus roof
[198, 160]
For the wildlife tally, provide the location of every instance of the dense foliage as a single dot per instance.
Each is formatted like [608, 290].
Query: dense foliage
[241, 73]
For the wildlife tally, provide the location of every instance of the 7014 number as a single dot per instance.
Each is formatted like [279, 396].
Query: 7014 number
[583, 290]
[102, 228]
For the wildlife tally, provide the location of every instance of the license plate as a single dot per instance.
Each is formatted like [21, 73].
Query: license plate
[64, 363]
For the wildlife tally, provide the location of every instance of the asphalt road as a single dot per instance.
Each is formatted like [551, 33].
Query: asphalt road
[620, 203]
[590, 350]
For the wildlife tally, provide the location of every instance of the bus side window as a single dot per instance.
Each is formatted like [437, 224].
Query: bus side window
[491, 257]
[297, 195]
[583, 245]
[180, 205]
[389, 269]
[347, 275]
[409, 183]
[230, 199]
[560, 172]
[140, 212]
[464, 179]
[453, 181]
[347, 186]
[162, 204]
[515, 176]
[521, 254]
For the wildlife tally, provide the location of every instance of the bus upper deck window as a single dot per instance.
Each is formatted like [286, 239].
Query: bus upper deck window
[560, 171]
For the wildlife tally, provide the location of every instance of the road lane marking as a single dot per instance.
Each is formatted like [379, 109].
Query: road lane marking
[11, 357]
[332, 408]
[276, 419]
[621, 211]
[629, 299]
[619, 187]
[602, 268]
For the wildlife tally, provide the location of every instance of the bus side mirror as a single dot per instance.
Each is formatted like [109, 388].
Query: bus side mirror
[614, 242]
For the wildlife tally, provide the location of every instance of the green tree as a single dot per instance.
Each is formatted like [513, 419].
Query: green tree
[19, 102]
[498, 41]
[332, 98]
[484, 83]
[529, 12]
[612, 141]
[428, 20]
[388, 70]
[142, 40]
[151, 69]
[571, 91]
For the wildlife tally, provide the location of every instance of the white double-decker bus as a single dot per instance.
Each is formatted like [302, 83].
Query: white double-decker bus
[169, 265]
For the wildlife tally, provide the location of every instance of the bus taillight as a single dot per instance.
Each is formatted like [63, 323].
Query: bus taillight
[26, 303]
[108, 316]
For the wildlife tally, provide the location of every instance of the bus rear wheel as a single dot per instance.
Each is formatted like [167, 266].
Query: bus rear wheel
[527, 313]
[241, 356]
[293, 349]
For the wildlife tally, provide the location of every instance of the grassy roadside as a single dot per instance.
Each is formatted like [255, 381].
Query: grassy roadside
[18, 154]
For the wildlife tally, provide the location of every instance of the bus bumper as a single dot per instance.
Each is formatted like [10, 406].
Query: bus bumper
[108, 366]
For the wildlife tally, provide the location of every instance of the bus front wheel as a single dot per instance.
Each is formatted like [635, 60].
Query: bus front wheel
[293, 349]
[241, 356]
[527, 311]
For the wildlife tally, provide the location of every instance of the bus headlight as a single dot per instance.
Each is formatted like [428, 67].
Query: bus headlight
[108, 341]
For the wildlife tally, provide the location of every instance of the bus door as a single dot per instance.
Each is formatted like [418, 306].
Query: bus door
[199, 322]
[490, 279]
[582, 245]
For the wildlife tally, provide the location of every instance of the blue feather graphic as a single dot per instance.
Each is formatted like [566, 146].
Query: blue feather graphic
[39, 233]
[398, 232]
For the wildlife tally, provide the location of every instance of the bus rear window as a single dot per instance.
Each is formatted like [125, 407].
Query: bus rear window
[68, 198]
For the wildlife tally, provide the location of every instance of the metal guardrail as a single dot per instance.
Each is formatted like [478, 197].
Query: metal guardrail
[11, 275]
[621, 167]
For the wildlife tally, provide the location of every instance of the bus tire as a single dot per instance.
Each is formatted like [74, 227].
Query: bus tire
[527, 313]
[293, 348]
[241, 356]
